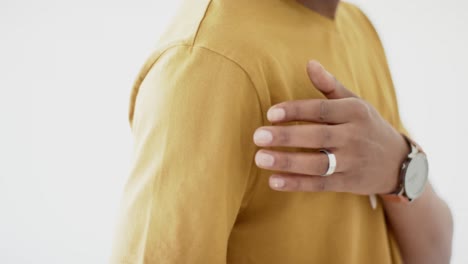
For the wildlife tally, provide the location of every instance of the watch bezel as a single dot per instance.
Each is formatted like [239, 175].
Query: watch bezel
[417, 157]
[399, 194]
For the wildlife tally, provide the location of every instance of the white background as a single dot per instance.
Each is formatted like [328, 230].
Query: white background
[66, 68]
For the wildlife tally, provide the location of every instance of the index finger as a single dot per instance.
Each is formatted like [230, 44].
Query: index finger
[334, 111]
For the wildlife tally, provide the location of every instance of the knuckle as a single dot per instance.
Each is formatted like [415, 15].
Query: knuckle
[323, 110]
[361, 109]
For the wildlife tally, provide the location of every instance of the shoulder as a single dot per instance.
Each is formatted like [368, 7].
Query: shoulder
[360, 17]
[363, 26]
[209, 36]
[221, 28]
[185, 73]
[354, 10]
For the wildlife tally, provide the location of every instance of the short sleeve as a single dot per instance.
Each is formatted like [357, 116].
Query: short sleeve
[193, 120]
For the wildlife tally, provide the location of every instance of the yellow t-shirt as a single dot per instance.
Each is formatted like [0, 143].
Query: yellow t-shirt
[195, 194]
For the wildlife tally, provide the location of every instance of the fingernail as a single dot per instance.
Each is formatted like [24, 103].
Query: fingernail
[373, 201]
[263, 136]
[277, 183]
[276, 114]
[265, 160]
[312, 62]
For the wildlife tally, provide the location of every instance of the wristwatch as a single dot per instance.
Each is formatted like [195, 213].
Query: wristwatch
[413, 175]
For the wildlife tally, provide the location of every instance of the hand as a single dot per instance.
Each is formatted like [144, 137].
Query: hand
[368, 150]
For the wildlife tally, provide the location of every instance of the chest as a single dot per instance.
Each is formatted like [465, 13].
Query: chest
[357, 62]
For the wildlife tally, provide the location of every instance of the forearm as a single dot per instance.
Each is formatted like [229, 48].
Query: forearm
[422, 228]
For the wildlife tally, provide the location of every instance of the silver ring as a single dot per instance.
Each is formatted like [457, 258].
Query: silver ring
[331, 162]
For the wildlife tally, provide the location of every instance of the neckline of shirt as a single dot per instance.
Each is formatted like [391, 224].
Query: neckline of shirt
[313, 16]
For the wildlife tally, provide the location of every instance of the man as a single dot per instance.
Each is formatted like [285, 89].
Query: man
[202, 190]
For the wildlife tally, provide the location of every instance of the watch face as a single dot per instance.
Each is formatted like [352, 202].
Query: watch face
[416, 176]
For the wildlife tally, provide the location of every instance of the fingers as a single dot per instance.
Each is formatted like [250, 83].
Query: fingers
[295, 162]
[300, 171]
[303, 183]
[303, 136]
[315, 110]
[326, 82]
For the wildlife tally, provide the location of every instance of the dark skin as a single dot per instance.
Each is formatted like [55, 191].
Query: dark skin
[324, 7]
[369, 161]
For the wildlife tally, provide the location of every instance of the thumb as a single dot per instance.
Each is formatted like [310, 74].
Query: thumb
[326, 82]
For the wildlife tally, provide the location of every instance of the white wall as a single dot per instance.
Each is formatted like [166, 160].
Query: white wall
[66, 68]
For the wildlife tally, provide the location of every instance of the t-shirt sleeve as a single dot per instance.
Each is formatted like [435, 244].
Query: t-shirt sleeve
[193, 121]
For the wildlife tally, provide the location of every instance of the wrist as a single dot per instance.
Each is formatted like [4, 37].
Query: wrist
[413, 174]
[402, 150]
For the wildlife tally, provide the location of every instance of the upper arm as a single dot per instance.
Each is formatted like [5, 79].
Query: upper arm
[194, 117]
